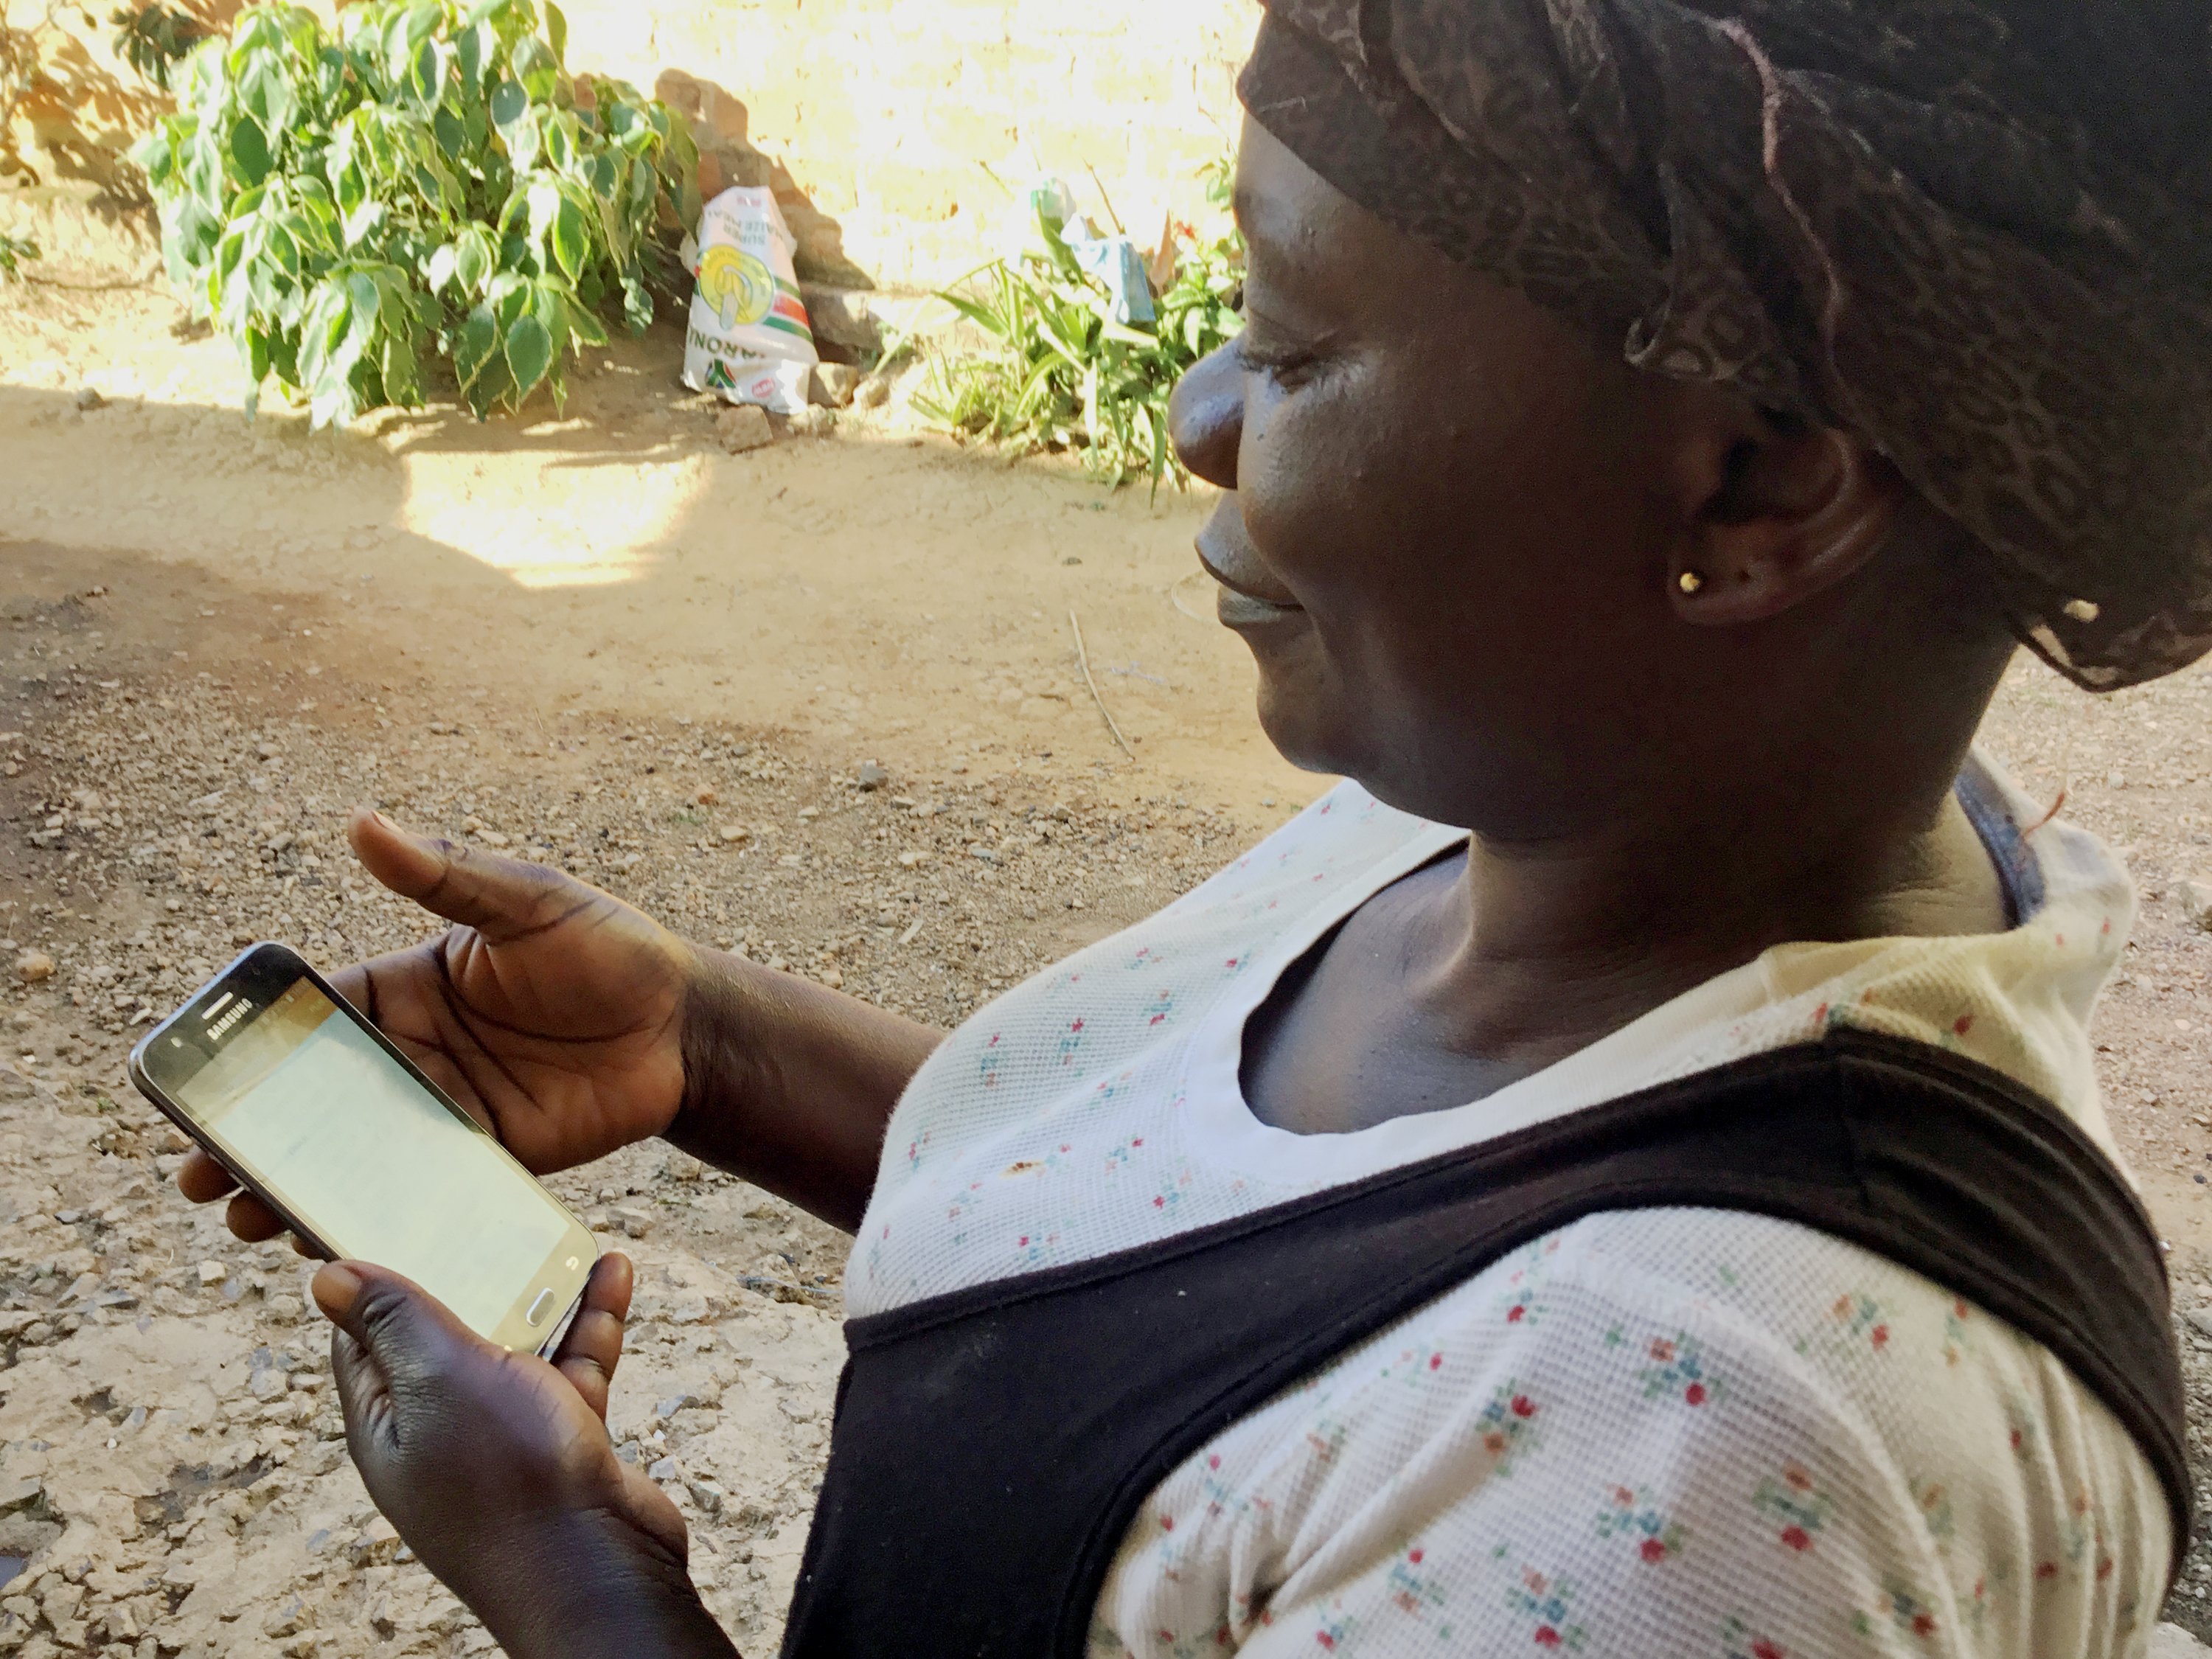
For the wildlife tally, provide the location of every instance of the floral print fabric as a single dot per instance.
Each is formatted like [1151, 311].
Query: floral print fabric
[1652, 1433]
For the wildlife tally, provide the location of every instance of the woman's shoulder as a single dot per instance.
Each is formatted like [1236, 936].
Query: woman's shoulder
[1023, 1140]
[1624, 1424]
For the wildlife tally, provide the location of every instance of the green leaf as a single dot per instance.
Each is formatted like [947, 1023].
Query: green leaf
[453, 133]
[473, 48]
[586, 328]
[570, 247]
[529, 354]
[401, 371]
[474, 258]
[440, 269]
[562, 134]
[534, 65]
[395, 48]
[550, 306]
[556, 31]
[509, 103]
[426, 72]
[474, 346]
[249, 148]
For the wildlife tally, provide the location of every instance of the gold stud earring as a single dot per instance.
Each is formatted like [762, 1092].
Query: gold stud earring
[1689, 581]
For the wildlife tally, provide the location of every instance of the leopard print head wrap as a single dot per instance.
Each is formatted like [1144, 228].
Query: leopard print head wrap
[1977, 233]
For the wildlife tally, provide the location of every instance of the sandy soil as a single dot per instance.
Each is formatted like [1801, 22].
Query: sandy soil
[600, 640]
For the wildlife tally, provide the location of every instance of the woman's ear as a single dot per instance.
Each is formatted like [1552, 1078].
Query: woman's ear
[1787, 511]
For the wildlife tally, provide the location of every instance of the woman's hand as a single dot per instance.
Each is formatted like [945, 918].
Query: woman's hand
[570, 1024]
[552, 1012]
[497, 1471]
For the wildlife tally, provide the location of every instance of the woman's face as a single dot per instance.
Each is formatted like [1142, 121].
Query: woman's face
[1447, 525]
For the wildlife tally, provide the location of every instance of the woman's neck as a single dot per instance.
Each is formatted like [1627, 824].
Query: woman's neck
[1474, 972]
[1544, 948]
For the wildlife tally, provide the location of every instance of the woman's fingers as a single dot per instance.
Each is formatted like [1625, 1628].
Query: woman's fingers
[498, 897]
[592, 1347]
[250, 1219]
[203, 1180]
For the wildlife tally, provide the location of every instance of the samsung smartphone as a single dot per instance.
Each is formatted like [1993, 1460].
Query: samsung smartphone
[324, 1121]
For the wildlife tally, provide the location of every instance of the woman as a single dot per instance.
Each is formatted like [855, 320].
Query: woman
[1653, 429]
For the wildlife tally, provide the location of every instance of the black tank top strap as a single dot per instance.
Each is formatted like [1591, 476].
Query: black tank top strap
[993, 1446]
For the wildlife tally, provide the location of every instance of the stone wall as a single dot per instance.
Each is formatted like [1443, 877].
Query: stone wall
[895, 131]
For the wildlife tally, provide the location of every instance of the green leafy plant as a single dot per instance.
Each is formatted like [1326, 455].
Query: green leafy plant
[432, 183]
[1057, 372]
[15, 252]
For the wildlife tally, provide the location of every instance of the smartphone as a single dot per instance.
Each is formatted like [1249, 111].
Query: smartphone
[364, 1158]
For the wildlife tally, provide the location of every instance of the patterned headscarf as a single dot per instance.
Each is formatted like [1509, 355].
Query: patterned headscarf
[1977, 233]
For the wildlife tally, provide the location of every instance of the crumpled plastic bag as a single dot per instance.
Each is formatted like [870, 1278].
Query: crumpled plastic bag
[1113, 260]
[749, 340]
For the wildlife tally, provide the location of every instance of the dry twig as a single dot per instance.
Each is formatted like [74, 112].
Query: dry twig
[1083, 661]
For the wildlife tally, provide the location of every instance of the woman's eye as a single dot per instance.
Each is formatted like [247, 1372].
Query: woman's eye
[1285, 363]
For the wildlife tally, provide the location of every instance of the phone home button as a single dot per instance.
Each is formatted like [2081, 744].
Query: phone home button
[539, 1308]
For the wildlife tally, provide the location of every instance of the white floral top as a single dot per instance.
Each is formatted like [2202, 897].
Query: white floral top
[1652, 1433]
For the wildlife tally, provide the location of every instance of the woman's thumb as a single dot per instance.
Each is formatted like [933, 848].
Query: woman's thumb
[494, 896]
[397, 1331]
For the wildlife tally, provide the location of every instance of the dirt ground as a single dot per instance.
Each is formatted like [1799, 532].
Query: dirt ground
[598, 640]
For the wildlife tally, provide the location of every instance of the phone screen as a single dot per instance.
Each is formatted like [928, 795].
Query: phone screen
[347, 1140]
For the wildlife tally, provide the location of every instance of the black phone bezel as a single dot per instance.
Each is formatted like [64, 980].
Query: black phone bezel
[266, 970]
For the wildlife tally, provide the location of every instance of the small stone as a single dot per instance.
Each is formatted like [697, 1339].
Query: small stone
[732, 834]
[742, 428]
[676, 1402]
[2195, 898]
[213, 1272]
[813, 422]
[633, 1221]
[61, 1603]
[704, 797]
[872, 775]
[873, 392]
[288, 1620]
[666, 1469]
[34, 967]
[833, 385]
[707, 1496]
[88, 399]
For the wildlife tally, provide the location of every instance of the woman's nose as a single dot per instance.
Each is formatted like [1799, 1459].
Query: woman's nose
[1206, 417]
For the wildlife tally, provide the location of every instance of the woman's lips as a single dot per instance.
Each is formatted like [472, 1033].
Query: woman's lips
[1243, 601]
[1237, 609]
